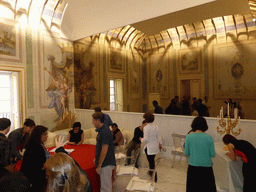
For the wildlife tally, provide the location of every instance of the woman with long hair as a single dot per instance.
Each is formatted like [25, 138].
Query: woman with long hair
[244, 149]
[65, 175]
[35, 157]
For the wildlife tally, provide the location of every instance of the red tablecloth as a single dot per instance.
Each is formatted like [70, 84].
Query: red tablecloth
[84, 155]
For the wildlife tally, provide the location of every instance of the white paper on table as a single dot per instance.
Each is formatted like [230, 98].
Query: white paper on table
[68, 150]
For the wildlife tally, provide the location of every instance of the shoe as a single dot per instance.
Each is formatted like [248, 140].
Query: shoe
[150, 173]
[155, 177]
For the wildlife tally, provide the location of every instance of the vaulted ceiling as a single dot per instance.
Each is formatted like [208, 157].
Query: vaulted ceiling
[145, 24]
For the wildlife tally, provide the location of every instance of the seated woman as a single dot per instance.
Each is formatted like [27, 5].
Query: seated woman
[118, 138]
[64, 174]
[34, 158]
[76, 135]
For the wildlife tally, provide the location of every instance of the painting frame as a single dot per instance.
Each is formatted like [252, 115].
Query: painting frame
[190, 60]
[10, 34]
[116, 60]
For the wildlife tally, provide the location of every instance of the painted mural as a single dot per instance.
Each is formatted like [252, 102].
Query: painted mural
[234, 75]
[135, 64]
[10, 40]
[189, 60]
[159, 73]
[86, 75]
[57, 73]
[116, 60]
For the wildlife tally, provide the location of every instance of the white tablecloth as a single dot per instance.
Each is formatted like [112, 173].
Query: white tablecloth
[228, 174]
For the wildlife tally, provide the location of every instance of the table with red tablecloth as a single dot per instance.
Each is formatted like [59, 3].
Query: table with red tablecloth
[84, 155]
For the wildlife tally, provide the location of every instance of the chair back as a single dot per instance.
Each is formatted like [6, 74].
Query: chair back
[178, 140]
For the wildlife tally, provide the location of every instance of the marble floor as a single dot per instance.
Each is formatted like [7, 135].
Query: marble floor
[169, 179]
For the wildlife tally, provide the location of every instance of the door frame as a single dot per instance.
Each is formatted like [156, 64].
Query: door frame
[191, 78]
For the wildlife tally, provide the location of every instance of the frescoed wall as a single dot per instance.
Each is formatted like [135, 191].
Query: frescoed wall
[58, 75]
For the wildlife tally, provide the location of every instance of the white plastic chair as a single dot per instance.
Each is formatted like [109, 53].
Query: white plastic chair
[128, 169]
[178, 142]
[138, 184]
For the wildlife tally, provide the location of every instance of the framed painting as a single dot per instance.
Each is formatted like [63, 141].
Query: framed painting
[190, 60]
[234, 76]
[116, 60]
[159, 75]
[10, 41]
[135, 65]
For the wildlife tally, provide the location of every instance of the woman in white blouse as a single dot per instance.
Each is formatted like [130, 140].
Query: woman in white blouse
[152, 140]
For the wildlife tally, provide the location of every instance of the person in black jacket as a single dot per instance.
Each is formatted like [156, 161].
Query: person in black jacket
[5, 147]
[34, 158]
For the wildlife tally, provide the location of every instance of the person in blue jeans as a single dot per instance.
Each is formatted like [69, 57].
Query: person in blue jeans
[199, 147]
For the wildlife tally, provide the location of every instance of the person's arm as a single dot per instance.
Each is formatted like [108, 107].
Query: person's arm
[145, 135]
[159, 139]
[103, 154]
[82, 139]
[186, 151]
[68, 139]
[118, 137]
[14, 145]
[212, 149]
[231, 152]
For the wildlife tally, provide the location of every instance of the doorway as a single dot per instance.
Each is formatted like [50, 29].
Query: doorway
[191, 87]
[116, 94]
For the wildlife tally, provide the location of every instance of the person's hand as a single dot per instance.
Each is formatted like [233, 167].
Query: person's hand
[79, 143]
[60, 142]
[160, 146]
[98, 169]
[93, 161]
[140, 138]
[44, 167]
[72, 143]
[228, 154]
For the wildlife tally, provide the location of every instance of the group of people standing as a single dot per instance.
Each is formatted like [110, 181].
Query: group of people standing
[147, 133]
[197, 108]
[59, 172]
